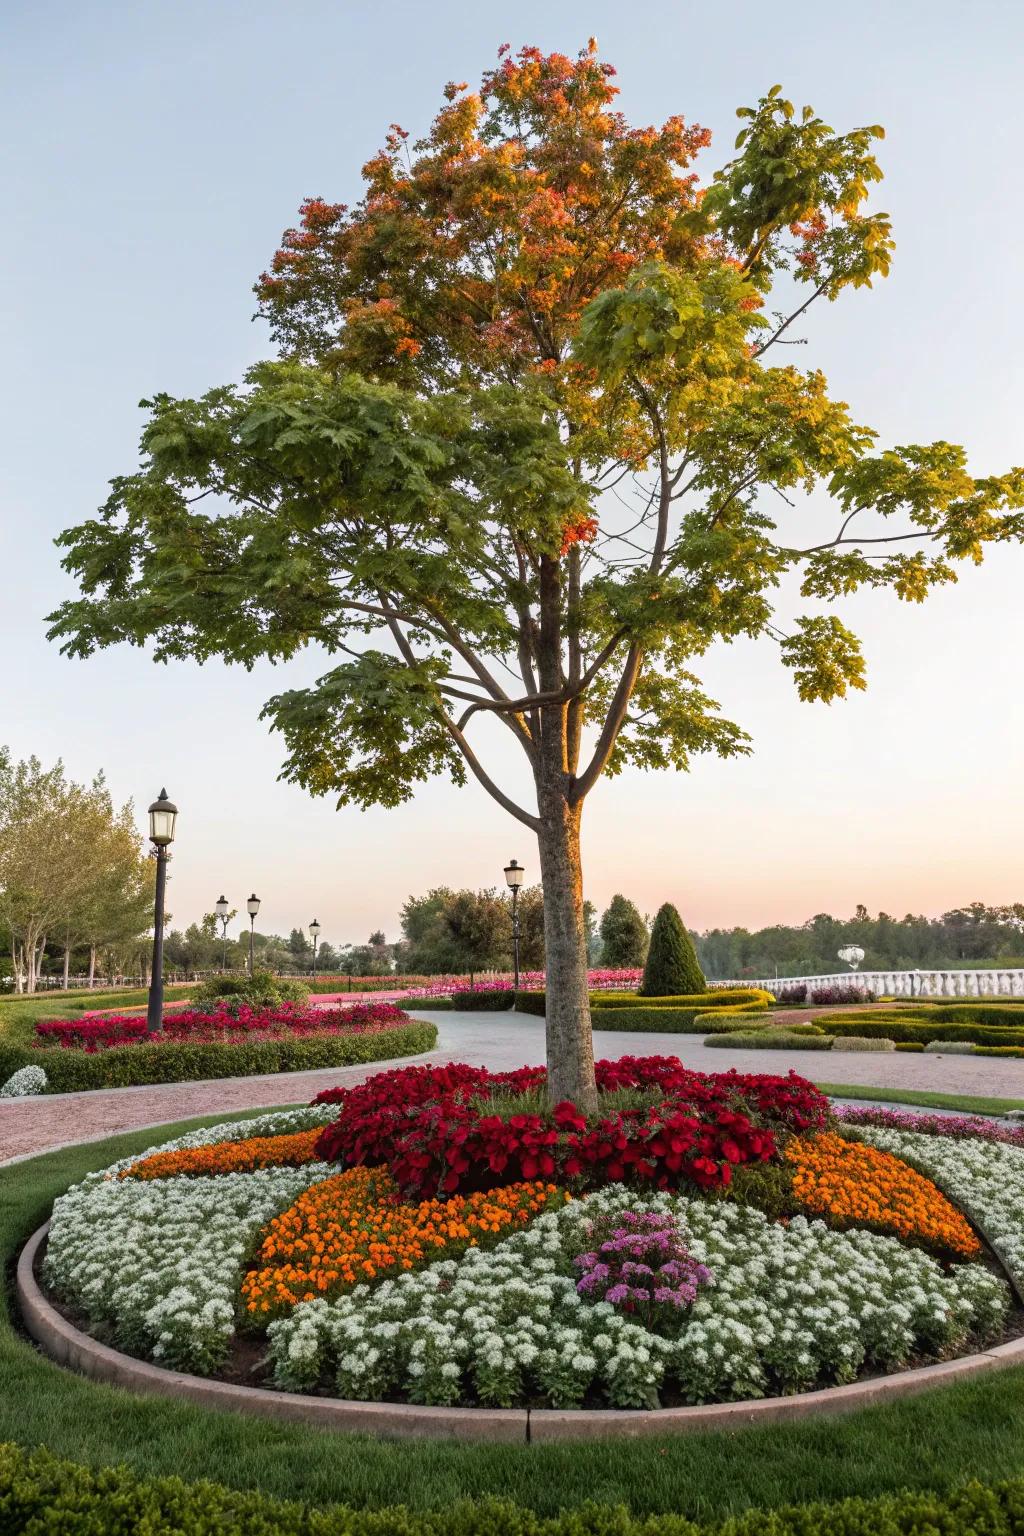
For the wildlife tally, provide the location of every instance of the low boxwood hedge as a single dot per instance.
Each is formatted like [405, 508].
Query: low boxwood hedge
[718, 1022]
[770, 1040]
[39, 1492]
[726, 997]
[486, 1002]
[924, 1025]
[127, 1066]
[666, 1015]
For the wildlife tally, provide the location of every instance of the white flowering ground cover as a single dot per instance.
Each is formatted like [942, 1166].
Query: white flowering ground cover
[157, 1266]
[159, 1263]
[984, 1178]
[792, 1306]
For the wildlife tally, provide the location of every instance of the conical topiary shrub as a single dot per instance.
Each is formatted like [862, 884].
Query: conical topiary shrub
[672, 969]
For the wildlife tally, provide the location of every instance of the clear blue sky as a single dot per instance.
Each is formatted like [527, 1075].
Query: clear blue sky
[154, 154]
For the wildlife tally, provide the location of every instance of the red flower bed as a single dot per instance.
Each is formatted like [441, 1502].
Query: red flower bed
[432, 1128]
[201, 1027]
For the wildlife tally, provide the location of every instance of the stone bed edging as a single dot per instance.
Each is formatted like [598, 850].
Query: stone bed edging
[69, 1347]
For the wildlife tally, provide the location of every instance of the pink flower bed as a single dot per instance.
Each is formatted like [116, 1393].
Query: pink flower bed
[957, 1126]
[529, 981]
[201, 1027]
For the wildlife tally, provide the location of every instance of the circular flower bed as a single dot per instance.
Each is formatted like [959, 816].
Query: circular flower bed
[441, 1235]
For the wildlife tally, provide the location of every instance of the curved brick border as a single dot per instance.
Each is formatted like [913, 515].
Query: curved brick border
[70, 1347]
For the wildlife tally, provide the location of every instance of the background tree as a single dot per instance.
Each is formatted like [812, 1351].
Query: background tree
[624, 935]
[671, 968]
[300, 949]
[532, 312]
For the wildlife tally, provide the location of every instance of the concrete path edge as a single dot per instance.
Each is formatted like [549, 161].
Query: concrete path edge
[69, 1347]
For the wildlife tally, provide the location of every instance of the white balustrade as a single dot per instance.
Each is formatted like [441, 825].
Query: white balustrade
[923, 983]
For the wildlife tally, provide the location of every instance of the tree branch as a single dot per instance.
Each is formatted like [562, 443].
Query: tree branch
[480, 773]
[759, 351]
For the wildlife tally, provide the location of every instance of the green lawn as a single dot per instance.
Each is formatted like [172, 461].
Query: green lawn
[963, 1102]
[931, 1442]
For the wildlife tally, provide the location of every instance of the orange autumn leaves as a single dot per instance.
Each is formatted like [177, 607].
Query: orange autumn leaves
[290, 1151]
[850, 1183]
[350, 1229]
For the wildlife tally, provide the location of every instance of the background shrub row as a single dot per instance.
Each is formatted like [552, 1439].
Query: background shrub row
[40, 1493]
[666, 1015]
[175, 1062]
[924, 1026]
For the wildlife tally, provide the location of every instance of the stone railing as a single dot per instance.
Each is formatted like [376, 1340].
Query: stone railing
[923, 983]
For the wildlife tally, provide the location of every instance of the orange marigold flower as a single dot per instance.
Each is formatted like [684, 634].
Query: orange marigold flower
[851, 1184]
[290, 1151]
[352, 1227]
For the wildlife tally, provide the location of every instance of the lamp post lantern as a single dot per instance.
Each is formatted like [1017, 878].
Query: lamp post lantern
[314, 933]
[222, 909]
[252, 906]
[514, 873]
[163, 816]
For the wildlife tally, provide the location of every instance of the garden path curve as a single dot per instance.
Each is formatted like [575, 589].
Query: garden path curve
[496, 1040]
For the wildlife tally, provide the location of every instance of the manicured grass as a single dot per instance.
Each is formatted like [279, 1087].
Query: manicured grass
[931, 1442]
[964, 1102]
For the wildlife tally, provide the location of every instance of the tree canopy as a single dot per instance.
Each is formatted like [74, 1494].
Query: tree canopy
[530, 448]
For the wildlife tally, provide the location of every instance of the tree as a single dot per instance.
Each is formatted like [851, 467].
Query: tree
[671, 968]
[533, 312]
[299, 949]
[327, 958]
[623, 935]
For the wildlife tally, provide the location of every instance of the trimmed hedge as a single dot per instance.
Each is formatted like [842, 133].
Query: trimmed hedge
[671, 964]
[771, 1040]
[671, 1015]
[718, 1022]
[863, 1043]
[725, 997]
[126, 1066]
[485, 1002]
[923, 1026]
[40, 1492]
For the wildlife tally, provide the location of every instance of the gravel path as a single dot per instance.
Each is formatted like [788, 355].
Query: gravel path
[497, 1040]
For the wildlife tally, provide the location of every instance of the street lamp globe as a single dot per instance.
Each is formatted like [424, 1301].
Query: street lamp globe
[314, 930]
[252, 906]
[222, 908]
[163, 814]
[514, 873]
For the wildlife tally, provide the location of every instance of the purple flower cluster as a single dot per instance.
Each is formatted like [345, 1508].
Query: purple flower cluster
[956, 1126]
[642, 1264]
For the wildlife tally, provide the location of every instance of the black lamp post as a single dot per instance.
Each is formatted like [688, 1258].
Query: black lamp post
[163, 816]
[222, 909]
[514, 873]
[252, 906]
[314, 933]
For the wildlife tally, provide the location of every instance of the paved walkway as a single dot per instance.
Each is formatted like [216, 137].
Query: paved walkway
[496, 1040]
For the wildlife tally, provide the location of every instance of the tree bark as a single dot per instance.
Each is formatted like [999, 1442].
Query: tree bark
[92, 966]
[67, 964]
[570, 1044]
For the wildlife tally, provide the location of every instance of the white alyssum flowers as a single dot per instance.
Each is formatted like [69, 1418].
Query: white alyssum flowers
[160, 1263]
[24, 1083]
[791, 1306]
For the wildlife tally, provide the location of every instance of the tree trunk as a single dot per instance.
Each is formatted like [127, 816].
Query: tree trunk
[67, 963]
[570, 1044]
[92, 966]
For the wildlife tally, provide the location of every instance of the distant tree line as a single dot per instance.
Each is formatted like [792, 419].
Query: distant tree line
[76, 885]
[974, 934]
